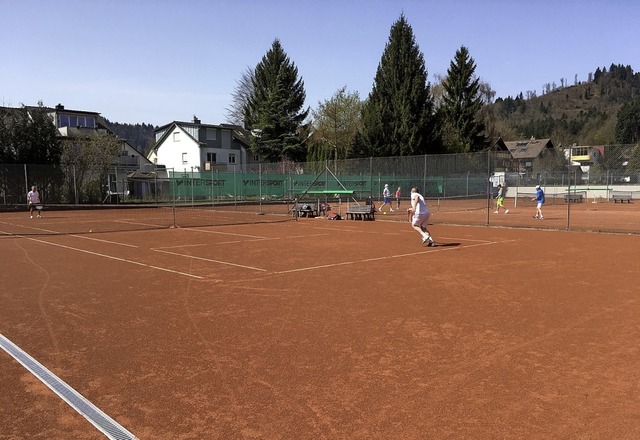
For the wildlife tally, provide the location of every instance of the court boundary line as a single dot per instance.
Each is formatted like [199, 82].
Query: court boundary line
[210, 260]
[111, 257]
[117, 243]
[239, 241]
[105, 424]
[388, 257]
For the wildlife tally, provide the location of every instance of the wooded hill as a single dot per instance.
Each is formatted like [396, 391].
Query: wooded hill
[584, 113]
[139, 136]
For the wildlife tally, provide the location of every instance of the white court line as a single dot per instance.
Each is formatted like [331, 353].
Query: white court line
[206, 231]
[110, 257]
[137, 223]
[388, 257]
[289, 237]
[180, 246]
[227, 263]
[105, 424]
[104, 241]
[55, 233]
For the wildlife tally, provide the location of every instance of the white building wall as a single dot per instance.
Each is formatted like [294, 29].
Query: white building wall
[179, 152]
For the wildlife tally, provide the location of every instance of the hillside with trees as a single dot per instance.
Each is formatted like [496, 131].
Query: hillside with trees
[585, 113]
[139, 136]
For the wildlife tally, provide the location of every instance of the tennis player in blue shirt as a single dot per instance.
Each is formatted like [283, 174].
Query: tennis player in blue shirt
[540, 201]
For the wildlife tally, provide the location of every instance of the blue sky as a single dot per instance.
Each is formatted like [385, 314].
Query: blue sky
[158, 61]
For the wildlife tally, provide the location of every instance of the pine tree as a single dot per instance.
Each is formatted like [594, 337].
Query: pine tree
[273, 111]
[397, 116]
[463, 130]
[628, 125]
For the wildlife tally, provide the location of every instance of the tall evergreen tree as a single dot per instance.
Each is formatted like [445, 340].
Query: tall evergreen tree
[463, 129]
[628, 125]
[273, 111]
[397, 116]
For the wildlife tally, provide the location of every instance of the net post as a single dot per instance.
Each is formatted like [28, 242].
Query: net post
[173, 198]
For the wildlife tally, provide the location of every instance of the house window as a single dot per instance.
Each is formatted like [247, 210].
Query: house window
[176, 137]
[211, 134]
[226, 139]
[184, 158]
[211, 157]
[256, 158]
[232, 158]
[76, 121]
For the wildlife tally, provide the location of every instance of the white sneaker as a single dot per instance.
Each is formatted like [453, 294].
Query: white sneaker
[507, 211]
[495, 212]
[30, 216]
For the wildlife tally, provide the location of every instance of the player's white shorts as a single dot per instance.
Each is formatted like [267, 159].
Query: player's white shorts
[421, 219]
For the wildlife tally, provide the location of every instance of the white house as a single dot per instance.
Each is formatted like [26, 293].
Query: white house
[193, 146]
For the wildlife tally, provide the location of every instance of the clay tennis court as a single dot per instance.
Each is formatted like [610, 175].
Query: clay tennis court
[316, 329]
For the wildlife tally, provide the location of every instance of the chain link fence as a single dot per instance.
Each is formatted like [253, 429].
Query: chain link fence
[460, 188]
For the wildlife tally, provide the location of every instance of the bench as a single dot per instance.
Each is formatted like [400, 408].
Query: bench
[621, 196]
[573, 198]
[361, 212]
[305, 210]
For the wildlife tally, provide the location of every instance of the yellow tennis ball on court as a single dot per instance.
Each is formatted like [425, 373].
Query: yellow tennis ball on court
[90, 230]
[384, 213]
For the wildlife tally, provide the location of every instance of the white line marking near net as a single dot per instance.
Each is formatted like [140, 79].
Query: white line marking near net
[105, 424]
[209, 231]
[227, 263]
[124, 260]
[105, 241]
[218, 243]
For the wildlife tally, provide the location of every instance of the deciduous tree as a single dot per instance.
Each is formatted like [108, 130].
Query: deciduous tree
[335, 124]
[86, 162]
[240, 98]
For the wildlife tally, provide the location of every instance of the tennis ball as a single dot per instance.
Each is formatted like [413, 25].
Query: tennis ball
[384, 213]
[90, 230]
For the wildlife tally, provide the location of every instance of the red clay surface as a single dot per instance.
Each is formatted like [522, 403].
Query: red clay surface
[325, 330]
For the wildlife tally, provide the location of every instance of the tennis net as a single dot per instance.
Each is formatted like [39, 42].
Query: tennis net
[82, 219]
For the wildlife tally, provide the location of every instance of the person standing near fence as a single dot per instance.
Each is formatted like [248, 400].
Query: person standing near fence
[398, 196]
[500, 200]
[386, 197]
[420, 217]
[539, 199]
[33, 199]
